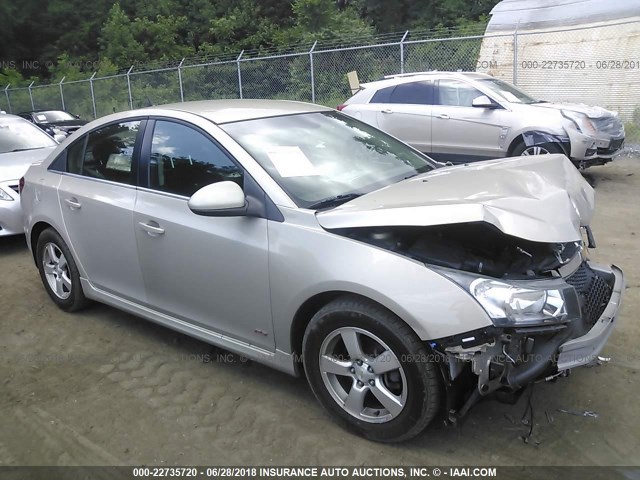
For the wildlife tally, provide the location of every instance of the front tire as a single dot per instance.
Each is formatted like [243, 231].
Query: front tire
[371, 371]
[59, 272]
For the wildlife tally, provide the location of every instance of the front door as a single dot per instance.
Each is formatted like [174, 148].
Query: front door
[209, 271]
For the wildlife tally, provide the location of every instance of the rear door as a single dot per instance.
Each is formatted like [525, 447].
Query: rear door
[209, 271]
[97, 195]
[404, 111]
[461, 132]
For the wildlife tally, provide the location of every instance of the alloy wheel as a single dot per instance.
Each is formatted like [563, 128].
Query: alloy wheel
[363, 375]
[56, 271]
[536, 150]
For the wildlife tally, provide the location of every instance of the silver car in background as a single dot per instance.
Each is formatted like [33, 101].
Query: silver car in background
[305, 239]
[464, 117]
[21, 144]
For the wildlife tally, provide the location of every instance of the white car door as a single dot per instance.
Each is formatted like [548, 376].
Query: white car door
[404, 111]
[461, 132]
[97, 195]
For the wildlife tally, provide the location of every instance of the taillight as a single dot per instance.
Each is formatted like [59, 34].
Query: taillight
[20, 185]
[340, 107]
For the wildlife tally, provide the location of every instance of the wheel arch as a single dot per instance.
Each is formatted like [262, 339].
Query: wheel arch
[540, 137]
[311, 306]
[35, 233]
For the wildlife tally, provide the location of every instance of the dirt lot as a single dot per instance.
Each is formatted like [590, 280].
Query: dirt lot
[102, 387]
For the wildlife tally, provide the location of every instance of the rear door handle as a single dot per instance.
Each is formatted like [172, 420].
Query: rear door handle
[387, 110]
[153, 230]
[444, 116]
[73, 203]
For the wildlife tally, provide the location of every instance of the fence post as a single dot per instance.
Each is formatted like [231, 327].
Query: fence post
[93, 97]
[515, 55]
[6, 92]
[239, 74]
[62, 94]
[313, 79]
[180, 80]
[33, 107]
[129, 87]
[404, 37]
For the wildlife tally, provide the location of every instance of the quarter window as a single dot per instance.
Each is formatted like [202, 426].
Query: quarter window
[183, 160]
[108, 155]
[457, 94]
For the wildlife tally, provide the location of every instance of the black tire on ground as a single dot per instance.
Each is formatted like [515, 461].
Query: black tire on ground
[547, 147]
[75, 299]
[424, 395]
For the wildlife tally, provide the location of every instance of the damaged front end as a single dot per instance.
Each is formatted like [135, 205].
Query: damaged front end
[551, 309]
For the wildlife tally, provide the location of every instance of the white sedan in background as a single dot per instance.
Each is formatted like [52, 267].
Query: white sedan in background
[21, 144]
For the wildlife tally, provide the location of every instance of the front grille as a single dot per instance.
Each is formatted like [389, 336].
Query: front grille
[613, 147]
[593, 290]
[15, 188]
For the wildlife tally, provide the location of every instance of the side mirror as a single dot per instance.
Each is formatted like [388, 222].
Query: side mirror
[77, 116]
[221, 199]
[484, 102]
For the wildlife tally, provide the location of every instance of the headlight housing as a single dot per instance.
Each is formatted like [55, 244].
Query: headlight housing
[581, 121]
[510, 305]
[520, 303]
[5, 196]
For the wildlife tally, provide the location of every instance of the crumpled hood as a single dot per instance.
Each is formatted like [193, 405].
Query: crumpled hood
[589, 111]
[542, 199]
[14, 165]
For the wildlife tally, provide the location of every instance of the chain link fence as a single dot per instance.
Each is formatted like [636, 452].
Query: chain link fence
[597, 65]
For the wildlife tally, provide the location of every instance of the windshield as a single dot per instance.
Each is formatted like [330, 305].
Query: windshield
[507, 91]
[317, 157]
[17, 134]
[53, 116]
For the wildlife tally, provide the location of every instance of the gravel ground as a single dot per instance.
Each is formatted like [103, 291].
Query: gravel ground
[105, 388]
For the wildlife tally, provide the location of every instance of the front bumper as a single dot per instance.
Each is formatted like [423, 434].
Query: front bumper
[584, 350]
[590, 151]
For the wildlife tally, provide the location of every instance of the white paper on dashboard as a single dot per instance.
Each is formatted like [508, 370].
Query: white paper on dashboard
[291, 162]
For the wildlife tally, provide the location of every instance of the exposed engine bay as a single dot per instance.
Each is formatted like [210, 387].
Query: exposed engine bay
[501, 360]
[471, 247]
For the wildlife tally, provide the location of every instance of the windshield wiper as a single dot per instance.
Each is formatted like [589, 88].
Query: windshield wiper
[334, 201]
[24, 149]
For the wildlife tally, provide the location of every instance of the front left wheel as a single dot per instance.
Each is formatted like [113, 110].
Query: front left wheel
[59, 272]
[371, 371]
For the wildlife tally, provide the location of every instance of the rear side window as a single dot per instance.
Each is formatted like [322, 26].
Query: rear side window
[414, 93]
[184, 160]
[108, 154]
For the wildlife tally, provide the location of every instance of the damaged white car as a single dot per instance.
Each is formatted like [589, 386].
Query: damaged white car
[303, 238]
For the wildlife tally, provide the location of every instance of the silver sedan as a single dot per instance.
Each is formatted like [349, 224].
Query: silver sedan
[308, 240]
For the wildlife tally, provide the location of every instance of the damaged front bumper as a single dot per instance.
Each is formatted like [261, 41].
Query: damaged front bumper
[508, 359]
[584, 350]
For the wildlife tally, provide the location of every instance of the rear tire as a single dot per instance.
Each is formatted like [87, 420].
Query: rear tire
[59, 272]
[371, 371]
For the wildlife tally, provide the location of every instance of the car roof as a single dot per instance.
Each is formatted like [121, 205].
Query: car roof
[417, 76]
[225, 111]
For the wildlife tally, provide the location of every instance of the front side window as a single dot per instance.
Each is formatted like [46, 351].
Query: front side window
[316, 156]
[456, 93]
[108, 154]
[184, 160]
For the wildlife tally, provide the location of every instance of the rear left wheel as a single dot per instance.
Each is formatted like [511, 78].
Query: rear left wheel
[370, 370]
[59, 272]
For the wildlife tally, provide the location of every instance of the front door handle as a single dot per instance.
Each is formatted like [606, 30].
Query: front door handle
[153, 230]
[387, 110]
[73, 203]
[444, 116]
